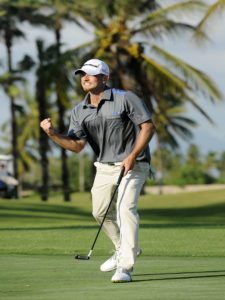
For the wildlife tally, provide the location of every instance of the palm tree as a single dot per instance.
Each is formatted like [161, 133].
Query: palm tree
[48, 70]
[127, 38]
[58, 12]
[53, 20]
[10, 14]
[28, 125]
[27, 128]
[42, 85]
[45, 74]
[9, 32]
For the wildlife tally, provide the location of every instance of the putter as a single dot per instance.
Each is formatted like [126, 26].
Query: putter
[87, 257]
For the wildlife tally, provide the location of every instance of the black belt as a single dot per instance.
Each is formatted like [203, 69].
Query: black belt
[114, 164]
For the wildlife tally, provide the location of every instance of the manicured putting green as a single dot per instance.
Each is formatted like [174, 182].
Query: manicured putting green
[58, 277]
[182, 236]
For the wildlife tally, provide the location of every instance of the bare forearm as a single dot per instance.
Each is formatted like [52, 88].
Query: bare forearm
[143, 139]
[147, 130]
[66, 142]
[61, 140]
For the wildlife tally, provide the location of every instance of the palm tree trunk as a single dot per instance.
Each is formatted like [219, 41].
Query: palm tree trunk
[44, 165]
[14, 144]
[43, 139]
[62, 127]
[8, 43]
[65, 173]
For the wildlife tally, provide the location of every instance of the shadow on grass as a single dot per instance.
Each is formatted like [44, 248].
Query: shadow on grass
[214, 210]
[43, 212]
[78, 217]
[181, 225]
[170, 276]
[94, 226]
[78, 227]
[209, 215]
[58, 209]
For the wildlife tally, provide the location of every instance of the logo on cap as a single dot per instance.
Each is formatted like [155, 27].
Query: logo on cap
[94, 67]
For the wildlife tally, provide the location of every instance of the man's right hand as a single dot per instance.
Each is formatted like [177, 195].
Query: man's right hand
[65, 142]
[46, 125]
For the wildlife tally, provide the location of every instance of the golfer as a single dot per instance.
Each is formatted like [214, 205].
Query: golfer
[118, 127]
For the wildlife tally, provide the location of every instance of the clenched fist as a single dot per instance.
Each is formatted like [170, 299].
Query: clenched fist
[46, 125]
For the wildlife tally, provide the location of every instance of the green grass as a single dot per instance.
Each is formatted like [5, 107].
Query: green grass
[182, 237]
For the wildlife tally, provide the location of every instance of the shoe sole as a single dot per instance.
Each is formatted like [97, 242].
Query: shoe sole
[121, 281]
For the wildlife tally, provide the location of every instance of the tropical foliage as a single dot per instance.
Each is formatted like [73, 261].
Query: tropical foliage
[192, 167]
[129, 36]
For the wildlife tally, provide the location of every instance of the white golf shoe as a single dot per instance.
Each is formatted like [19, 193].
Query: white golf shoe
[121, 275]
[110, 264]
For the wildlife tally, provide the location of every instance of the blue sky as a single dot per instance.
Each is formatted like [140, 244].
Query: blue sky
[210, 59]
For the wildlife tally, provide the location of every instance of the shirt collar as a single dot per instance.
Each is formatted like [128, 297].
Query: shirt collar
[107, 96]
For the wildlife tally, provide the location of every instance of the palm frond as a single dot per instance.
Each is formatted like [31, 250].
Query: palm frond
[172, 19]
[194, 77]
[181, 130]
[164, 26]
[213, 10]
[168, 139]
[181, 8]
[185, 120]
[164, 72]
[200, 109]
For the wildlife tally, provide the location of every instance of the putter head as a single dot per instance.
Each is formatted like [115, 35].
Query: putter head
[82, 257]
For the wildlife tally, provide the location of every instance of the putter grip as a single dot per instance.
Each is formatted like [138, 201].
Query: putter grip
[120, 176]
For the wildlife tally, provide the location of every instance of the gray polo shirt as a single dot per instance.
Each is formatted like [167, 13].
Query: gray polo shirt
[112, 127]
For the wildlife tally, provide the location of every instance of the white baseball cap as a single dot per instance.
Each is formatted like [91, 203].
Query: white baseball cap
[94, 67]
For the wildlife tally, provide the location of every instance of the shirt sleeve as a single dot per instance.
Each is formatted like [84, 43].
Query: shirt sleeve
[137, 109]
[75, 130]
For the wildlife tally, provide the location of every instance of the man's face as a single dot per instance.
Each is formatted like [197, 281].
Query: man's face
[91, 83]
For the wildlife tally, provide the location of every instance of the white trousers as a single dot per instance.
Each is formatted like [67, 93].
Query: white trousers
[122, 221]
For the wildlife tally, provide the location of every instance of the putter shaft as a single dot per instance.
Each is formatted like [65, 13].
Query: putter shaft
[87, 257]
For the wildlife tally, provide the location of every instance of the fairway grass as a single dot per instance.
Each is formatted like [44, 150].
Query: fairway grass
[182, 237]
[38, 277]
